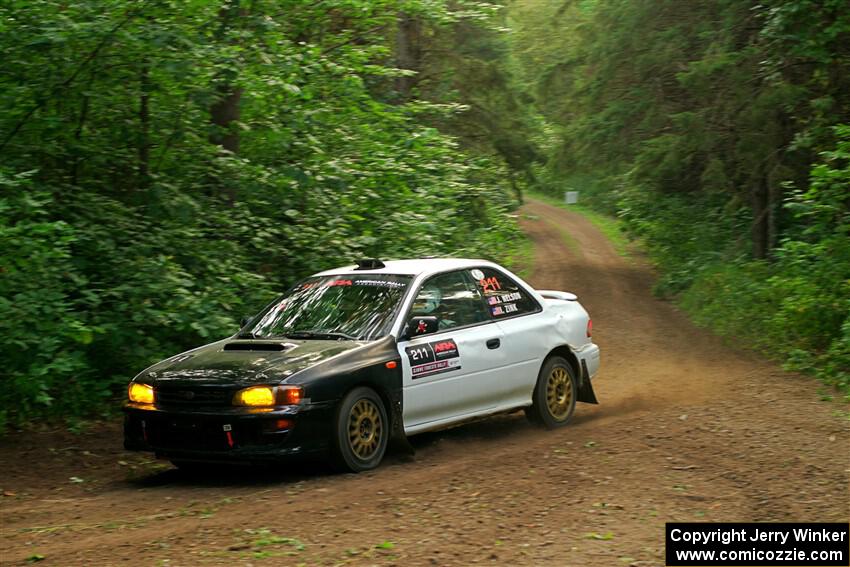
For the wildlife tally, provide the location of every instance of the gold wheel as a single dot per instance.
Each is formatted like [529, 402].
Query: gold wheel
[365, 429]
[559, 393]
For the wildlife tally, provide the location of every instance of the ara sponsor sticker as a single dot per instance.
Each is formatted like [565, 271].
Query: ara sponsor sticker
[433, 358]
[477, 274]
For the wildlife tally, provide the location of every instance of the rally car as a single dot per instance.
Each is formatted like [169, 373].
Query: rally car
[349, 358]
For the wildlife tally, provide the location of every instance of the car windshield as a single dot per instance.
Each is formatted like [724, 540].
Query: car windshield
[350, 306]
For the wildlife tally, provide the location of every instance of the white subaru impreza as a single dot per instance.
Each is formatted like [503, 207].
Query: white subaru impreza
[350, 357]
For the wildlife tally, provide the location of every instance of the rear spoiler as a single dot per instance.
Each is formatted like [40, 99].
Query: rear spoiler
[562, 295]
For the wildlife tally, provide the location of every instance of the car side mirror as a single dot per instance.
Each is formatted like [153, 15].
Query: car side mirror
[421, 325]
[244, 321]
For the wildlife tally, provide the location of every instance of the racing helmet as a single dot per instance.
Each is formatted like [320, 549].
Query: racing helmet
[429, 299]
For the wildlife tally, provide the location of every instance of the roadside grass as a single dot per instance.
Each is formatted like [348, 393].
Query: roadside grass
[520, 257]
[609, 226]
[569, 240]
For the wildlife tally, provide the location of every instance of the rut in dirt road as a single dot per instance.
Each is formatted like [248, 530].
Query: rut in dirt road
[687, 428]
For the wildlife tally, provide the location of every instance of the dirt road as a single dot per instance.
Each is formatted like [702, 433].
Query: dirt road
[688, 429]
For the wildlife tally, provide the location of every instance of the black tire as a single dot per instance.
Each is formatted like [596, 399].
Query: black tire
[554, 399]
[361, 432]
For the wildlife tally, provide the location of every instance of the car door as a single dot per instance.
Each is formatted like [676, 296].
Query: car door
[447, 375]
[519, 317]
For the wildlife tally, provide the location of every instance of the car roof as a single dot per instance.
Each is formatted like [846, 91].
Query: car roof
[413, 267]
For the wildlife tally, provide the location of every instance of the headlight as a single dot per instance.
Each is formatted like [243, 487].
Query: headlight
[259, 396]
[140, 393]
[254, 396]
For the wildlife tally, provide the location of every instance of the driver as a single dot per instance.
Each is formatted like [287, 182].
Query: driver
[428, 302]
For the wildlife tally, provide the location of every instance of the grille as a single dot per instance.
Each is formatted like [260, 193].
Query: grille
[194, 397]
[170, 433]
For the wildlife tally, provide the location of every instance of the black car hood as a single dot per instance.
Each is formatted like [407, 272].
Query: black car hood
[235, 361]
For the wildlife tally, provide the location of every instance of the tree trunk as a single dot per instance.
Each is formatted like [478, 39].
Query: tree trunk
[145, 127]
[775, 195]
[515, 186]
[760, 228]
[408, 53]
[78, 136]
[224, 113]
[226, 108]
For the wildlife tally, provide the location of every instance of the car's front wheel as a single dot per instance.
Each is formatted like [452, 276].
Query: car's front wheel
[362, 431]
[554, 399]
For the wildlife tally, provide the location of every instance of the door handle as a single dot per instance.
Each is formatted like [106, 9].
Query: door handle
[493, 343]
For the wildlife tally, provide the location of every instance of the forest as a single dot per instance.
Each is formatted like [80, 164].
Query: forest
[168, 167]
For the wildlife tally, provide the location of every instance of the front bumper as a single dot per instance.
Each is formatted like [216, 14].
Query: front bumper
[228, 434]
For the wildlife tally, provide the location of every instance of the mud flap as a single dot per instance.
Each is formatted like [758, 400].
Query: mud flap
[401, 446]
[398, 442]
[585, 390]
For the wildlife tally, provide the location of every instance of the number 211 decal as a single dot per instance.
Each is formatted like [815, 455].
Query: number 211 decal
[433, 358]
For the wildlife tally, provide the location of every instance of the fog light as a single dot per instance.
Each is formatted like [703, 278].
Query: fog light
[282, 424]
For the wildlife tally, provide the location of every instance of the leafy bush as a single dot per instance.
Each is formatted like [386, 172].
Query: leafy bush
[44, 338]
[684, 234]
[797, 306]
[696, 127]
[131, 232]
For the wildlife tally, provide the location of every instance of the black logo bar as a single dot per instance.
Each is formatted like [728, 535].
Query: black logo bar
[757, 544]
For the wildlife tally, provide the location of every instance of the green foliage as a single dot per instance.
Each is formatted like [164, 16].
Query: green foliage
[679, 245]
[698, 123]
[43, 336]
[797, 307]
[129, 236]
[471, 64]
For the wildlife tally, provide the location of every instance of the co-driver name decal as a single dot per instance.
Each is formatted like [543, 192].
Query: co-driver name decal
[433, 358]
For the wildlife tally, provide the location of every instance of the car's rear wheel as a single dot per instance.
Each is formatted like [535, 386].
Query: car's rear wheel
[362, 431]
[554, 398]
